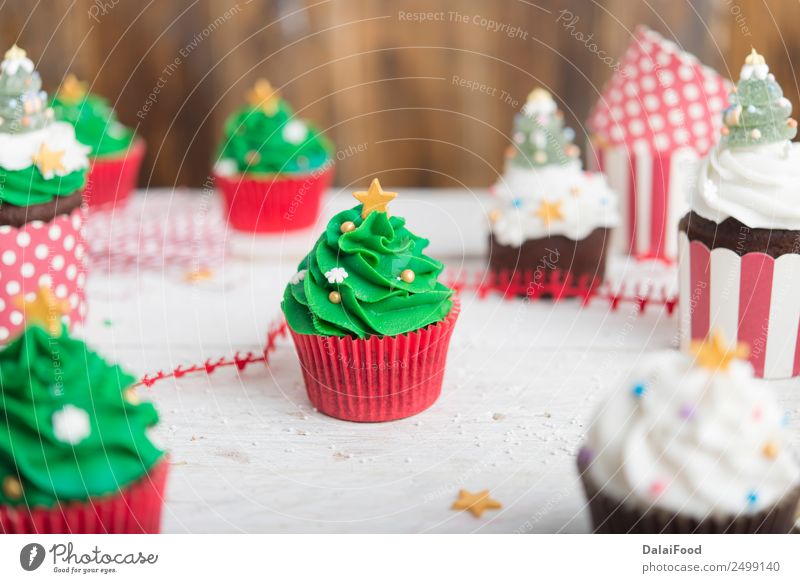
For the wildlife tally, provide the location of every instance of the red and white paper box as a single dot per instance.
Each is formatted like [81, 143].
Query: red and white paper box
[752, 299]
[37, 254]
[658, 115]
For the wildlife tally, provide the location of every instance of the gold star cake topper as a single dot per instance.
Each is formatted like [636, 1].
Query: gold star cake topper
[45, 310]
[264, 97]
[375, 199]
[49, 161]
[714, 353]
[549, 212]
[72, 90]
[477, 504]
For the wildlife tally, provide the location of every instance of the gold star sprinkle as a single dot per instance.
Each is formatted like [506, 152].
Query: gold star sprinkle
[71, 90]
[15, 53]
[549, 212]
[375, 199]
[263, 96]
[12, 489]
[45, 310]
[714, 353]
[49, 161]
[477, 504]
[754, 58]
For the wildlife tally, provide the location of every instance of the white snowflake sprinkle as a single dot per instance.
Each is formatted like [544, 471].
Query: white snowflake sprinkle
[336, 275]
[295, 132]
[298, 277]
[71, 424]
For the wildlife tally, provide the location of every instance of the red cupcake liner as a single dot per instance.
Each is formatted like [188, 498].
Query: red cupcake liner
[135, 510]
[273, 203]
[37, 254]
[378, 378]
[112, 179]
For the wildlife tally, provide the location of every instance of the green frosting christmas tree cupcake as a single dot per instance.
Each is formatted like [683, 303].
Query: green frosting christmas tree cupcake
[271, 166]
[370, 320]
[116, 152]
[76, 439]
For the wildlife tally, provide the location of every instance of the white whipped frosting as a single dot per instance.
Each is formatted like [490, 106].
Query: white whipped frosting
[586, 203]
[17, 151]
[699, 437]
[757, 185]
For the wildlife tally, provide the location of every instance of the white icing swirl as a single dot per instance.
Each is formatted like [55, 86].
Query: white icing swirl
[585, 203]
[694, 442]
[757, 185]
[17, 151]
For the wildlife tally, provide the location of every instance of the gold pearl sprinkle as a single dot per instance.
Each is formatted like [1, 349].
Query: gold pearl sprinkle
[407, 275]
[540, 157]
[335, 297]
[495, 215]
[755, 134]
[252, 157]
[347, 226]
[575, 190]
[771, 450]
[131, 396]
[12, 489]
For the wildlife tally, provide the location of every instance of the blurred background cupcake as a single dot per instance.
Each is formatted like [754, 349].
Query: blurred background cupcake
[272, 167]
[691, 445]
[42, 173]
[551, 221]
[657, 116]
[370, 320]
[739, 243]
[74, 457]
[116, 152]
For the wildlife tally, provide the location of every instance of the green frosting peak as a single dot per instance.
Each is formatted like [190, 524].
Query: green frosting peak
[69, 431]
[95, 121]
[365, 267]
[266, 137]
[758, 111]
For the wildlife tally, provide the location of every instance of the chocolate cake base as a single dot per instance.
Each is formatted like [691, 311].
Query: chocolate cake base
[16, 216]
[611, 516]
[738, 237]
[534, 263]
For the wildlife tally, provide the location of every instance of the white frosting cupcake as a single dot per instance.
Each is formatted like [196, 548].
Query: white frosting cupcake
[696, 437]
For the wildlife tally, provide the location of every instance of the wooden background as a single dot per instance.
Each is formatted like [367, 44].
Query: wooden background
[366, 74]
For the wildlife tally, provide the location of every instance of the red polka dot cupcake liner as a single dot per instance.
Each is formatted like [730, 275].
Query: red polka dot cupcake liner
[135, 510]
[112, 179]
[273, 203]
[378, 378]
[40, 254]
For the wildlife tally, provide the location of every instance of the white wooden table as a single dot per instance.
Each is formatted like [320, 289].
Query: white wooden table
[250, 455]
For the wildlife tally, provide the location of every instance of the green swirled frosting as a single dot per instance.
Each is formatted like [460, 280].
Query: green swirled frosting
[28, 186]
[257, 140]
[375, 300]
[95, 122]
[68, 432]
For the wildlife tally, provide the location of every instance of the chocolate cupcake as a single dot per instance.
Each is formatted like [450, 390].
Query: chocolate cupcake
[691, 446]
[42, 175]
[740, 243]
[551, 220]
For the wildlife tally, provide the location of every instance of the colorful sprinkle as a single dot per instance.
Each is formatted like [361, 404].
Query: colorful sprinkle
[585, 456]
[771, 450]
[657, 488]
[785, 420]
[687, 411]
[752, 497]
[517, 203]
[758, 413]
[639, 390]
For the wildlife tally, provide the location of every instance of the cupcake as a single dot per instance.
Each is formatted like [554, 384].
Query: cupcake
[370, 320]
[74, 454]
[116, 152]
[272, 168]
[739, 242]
[551, 221]
[691, 445]
[656, 118]
[42, 175]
